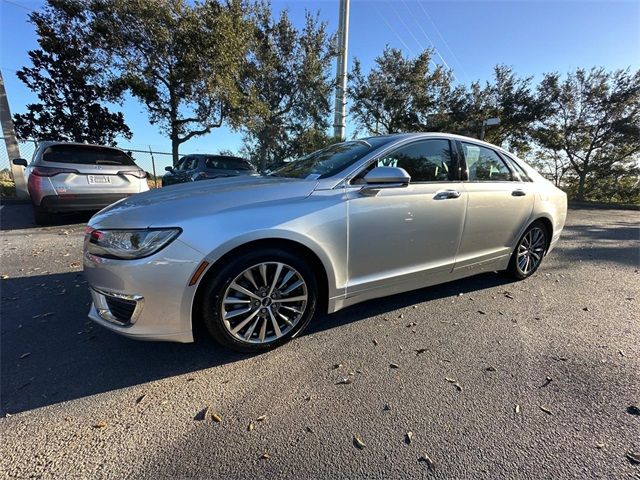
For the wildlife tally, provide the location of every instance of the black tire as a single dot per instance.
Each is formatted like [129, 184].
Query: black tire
[515, 269]
[212, 295]
[42, 217]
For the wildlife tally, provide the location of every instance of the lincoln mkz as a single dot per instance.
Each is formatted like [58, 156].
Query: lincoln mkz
[254, 258]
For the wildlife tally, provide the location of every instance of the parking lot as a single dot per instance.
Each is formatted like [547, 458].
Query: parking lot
[491, 378]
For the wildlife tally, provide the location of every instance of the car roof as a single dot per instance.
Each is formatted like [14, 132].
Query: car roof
[49, 143]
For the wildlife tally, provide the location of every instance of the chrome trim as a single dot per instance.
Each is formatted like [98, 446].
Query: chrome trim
[100, 302]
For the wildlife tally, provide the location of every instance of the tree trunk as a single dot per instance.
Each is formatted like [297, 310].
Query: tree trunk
[175, 146]
[582, 179]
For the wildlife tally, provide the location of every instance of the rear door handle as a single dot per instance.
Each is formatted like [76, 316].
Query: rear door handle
[518, 193]
[444, 194]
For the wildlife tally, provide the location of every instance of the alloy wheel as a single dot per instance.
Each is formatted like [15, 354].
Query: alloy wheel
[531, 250]
[264, 303]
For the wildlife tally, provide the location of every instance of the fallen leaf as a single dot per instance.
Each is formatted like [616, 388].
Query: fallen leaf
[546, 410]
[261, 418]
[308, 429]
[265, 456]
[25, 355]
[345, 381]
[216, 418]
[458, 386]
[358, 442]
[482, 312]
[375, 342]
[101, 424]
[586, 309]
[599, 445]
[508, 295]
[4, 277]
[450, 380]
[633, 456]
[337, 365]
[250, 427]
[401, 315]
[633, 410]
[547, 381]
[386, 407]
[490, 369]
[140, 398]
[427, 459]
[621, 353]
[393, 365]
[408, 437]
[516, 408]
[420, 350]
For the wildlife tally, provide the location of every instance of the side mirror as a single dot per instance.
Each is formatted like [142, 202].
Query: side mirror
[20, 161]
[169, 169]
[385, 177]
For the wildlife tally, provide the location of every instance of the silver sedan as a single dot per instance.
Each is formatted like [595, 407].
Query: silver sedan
[253, 259]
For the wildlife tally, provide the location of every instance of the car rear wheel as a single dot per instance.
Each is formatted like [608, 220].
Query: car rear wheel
[529, 252]
[259, 300]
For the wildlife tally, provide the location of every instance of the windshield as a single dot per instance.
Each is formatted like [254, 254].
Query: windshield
[330, 160]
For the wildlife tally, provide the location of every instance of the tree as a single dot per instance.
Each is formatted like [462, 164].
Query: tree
[68, 82]
[593, 118]
[507, 97]
[400, 94]
[182, 60]
[289, 71]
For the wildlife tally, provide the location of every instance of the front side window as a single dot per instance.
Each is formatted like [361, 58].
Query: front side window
[425, 161]
[484, 165]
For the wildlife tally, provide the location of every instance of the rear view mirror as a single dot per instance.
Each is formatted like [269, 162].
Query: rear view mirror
[20, 161]
[385, 177]
[169, 169]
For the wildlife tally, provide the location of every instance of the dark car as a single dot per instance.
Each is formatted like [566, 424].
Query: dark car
[201, 167]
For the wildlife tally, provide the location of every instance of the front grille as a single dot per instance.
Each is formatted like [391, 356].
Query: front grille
[120, 308]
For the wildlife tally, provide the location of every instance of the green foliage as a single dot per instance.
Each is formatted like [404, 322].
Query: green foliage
[68, 82]
[400, 94]
[592, 118]
[289, 72]
[182, 60]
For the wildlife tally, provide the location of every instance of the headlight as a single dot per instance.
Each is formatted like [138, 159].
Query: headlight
[128, 244]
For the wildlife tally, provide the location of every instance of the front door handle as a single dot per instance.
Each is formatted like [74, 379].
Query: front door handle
[444, 194]
[518, 193]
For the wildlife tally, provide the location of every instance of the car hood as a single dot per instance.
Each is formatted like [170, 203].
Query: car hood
[172, 205]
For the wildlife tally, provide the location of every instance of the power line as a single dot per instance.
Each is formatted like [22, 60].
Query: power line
[392, 29]
[435, 49]
[19, 5]
[444, 42]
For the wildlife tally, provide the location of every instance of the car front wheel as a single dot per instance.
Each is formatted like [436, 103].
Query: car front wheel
[259, 300]
[528, 254]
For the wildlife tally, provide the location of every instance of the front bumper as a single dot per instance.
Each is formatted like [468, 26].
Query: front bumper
[148, 298]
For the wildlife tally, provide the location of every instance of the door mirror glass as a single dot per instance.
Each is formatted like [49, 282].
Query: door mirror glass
[387, 176]
[20, 161]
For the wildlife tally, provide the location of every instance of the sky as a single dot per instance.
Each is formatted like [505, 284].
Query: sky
[471, 37]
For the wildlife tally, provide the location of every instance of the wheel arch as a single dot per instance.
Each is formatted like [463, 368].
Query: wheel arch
[324, 273]
[548, 225]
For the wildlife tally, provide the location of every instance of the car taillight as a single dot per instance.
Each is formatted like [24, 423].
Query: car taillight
[52, 171]
[135, 173]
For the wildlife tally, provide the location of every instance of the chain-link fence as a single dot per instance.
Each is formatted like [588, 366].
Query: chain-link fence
[148, 160]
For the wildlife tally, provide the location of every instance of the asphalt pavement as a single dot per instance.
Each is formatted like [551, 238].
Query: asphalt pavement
[491, 378]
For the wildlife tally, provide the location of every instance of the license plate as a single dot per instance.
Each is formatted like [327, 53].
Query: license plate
[99, 179]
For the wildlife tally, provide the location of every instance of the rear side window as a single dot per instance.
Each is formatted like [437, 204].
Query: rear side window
[485, 165]
[226, 163]
[521, 172]
[86, 155]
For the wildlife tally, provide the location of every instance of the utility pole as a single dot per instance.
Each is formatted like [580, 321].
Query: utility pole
[339, 123]
[13, 151]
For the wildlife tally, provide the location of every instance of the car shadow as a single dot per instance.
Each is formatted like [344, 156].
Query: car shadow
[51, 352]
[19, 216]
